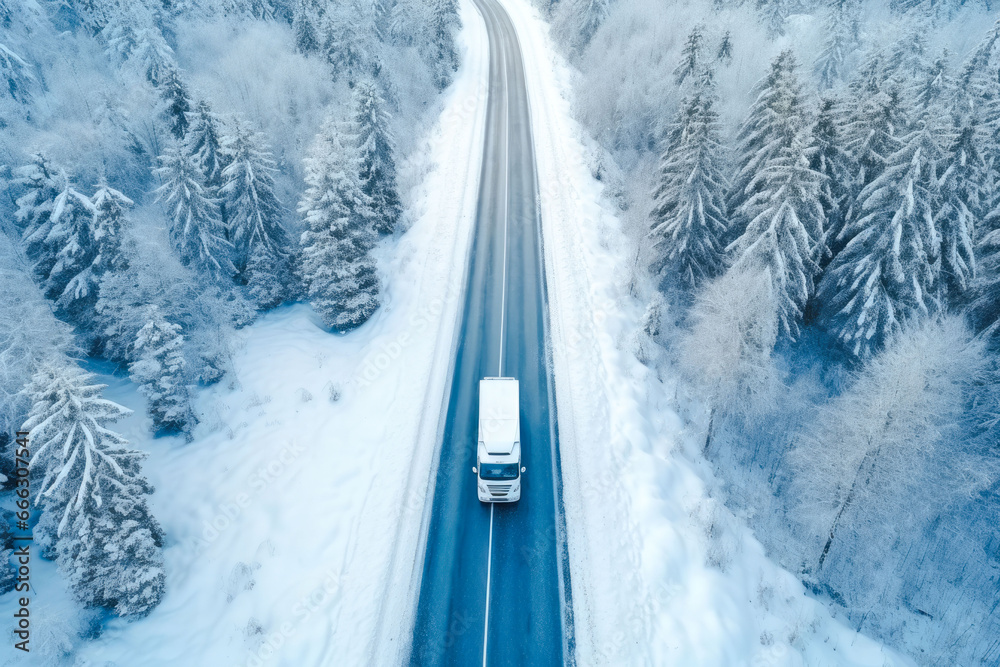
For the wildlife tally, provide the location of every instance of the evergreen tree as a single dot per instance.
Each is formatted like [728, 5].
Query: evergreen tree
[775, 121]
[690, 55]
[196, 227]
[15, 76]
[377, 164]
[841, 39]
[41, 182]
[985, 307]
[337, 267]
[133, 37]
[832, 161]
[725, 52]
[203, 144]
[178, 100]
[885, 274]
[689, 218]
[350, 38]
[444, 23]
[774, 13]
[255, 215]
[304, 27]
[107, 229]
[94, 520]
[784, 233]
[960, 183]
[64, 246]
[159, 370]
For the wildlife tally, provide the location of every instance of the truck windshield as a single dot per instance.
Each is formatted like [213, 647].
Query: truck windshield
[498, 471]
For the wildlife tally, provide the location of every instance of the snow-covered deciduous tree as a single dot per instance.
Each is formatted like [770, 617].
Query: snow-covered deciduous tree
[878, 456]
[160, 372]
[783, 213]
[727, 350]
[690, 219]
[29, 335]
[255, 216]
[377, 163]
[885, 274]
[196, 227]
[94, 519]
[337, 266]
[580, 19]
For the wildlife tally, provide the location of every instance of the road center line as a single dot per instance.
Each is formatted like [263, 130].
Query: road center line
[489, 564]
[506, 185]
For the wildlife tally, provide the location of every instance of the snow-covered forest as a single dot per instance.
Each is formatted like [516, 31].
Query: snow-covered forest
[170, 170]
[813, 193]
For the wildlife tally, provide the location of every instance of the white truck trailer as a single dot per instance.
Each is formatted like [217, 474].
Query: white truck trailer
[498, 460]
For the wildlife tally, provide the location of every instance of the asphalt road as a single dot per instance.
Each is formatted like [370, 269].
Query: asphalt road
[495, 585]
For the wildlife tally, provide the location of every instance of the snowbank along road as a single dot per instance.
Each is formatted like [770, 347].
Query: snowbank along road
[495, 585]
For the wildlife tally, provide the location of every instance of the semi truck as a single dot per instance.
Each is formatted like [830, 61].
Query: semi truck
[498, 456]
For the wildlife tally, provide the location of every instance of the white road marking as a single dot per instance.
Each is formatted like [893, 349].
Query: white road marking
[506, 185]
[489, 564]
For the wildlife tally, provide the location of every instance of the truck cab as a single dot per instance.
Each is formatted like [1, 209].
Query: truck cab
[498, 457]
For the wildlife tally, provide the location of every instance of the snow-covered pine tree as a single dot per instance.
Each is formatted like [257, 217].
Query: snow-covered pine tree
[110, 219]
[690, 218]
[376, 148]
[203, 144]
[133, 37]
[304, 21]
[444, 23]
[91, 480]
[833, 162]
[841, 39]
[774, 13]
[255, 215]
[41, 183]
[784, 214]
[349, 39]
[175, 92]
[885, 274]
[64, 245]
[775, 120]
[876, 116]
[15, 76]
[337, 266]
[690, 55]
[724, 54]
[160, 372]
[196, 228]
[985, 306]
[960, 181]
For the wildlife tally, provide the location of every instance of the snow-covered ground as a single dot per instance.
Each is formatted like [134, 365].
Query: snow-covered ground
[294, 520]
[662, 572]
